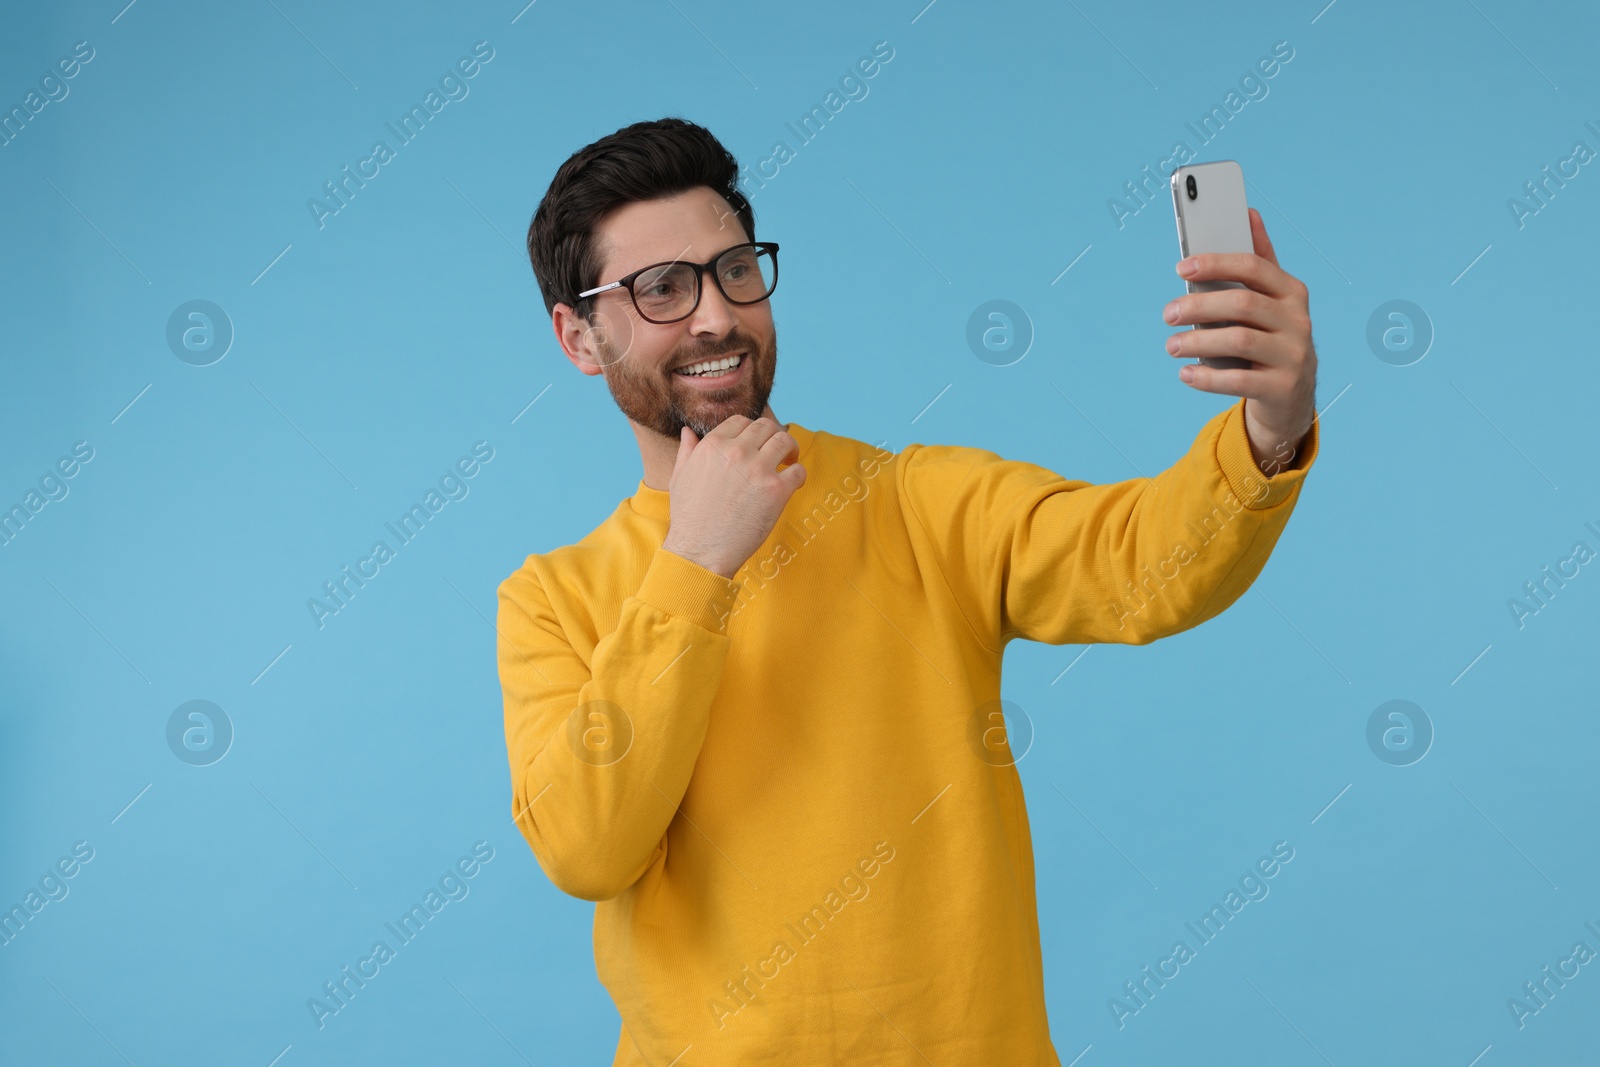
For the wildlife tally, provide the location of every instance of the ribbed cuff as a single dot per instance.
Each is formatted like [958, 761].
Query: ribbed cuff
[683, 588]
[1253, 488]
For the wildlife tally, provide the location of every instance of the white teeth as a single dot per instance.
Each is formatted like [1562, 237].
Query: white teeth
[711, 367]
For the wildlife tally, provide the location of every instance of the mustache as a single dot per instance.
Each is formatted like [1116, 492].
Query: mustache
[735, 342]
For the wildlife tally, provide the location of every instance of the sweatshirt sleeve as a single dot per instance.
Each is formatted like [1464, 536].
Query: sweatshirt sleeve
[1028, 553]
[601, 752]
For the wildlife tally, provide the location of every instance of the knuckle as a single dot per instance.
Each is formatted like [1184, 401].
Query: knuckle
[1245, 340]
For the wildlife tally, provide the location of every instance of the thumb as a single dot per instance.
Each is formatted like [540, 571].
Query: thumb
[686, 442]
[794, 475]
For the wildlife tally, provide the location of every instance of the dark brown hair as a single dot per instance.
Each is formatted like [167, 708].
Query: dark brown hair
[644, 161]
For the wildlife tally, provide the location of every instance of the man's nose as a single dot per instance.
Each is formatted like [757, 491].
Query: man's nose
[715, 315]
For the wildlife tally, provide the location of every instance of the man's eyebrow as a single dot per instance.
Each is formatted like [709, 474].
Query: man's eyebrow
[680, 257]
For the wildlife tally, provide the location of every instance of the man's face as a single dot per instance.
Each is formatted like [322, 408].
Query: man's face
[641, 359]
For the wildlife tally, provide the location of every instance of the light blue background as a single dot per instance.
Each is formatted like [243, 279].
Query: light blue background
[376, 350]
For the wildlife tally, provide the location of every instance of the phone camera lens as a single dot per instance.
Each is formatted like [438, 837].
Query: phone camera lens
[1193, 193]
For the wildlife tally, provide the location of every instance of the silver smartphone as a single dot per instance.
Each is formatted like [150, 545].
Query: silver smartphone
[1208, 200]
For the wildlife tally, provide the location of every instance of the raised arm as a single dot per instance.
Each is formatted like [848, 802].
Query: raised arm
[601, 752]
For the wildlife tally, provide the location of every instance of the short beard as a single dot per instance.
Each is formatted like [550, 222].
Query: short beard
[658, 406]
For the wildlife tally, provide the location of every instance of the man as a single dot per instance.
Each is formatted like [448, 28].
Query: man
[754, 713]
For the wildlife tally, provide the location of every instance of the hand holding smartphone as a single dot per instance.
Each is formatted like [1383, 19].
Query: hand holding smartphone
[1209, 202]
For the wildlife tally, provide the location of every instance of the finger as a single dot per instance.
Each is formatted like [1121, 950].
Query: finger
[781, 447]
[794, 475]
[1243, 342]
[686, 442]
[731, 426]
[1229, 381]
[759, 432]
[1259, 238]
[1260, 274]
[1229, 305]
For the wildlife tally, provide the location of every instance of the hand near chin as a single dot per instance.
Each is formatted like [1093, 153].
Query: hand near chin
[726, 492]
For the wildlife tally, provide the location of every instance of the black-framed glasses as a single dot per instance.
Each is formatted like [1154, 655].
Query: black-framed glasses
[667, 292]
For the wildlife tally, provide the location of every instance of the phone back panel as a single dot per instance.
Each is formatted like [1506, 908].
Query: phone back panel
[1217, 220]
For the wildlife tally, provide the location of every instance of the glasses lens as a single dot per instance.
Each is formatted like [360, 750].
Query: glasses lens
[666, 292]
[747, 273]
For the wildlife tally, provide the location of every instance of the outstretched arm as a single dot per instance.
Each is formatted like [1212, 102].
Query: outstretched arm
[1029, 553]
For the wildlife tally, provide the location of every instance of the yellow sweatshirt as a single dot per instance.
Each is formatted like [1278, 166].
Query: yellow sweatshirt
[791, 792]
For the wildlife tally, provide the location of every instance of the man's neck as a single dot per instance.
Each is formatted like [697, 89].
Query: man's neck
[659, 454]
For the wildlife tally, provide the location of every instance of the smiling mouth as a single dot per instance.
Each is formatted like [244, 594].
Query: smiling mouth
[716, 372]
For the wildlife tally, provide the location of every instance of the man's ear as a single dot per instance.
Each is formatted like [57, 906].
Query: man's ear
[576, 338]
[591, 344]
